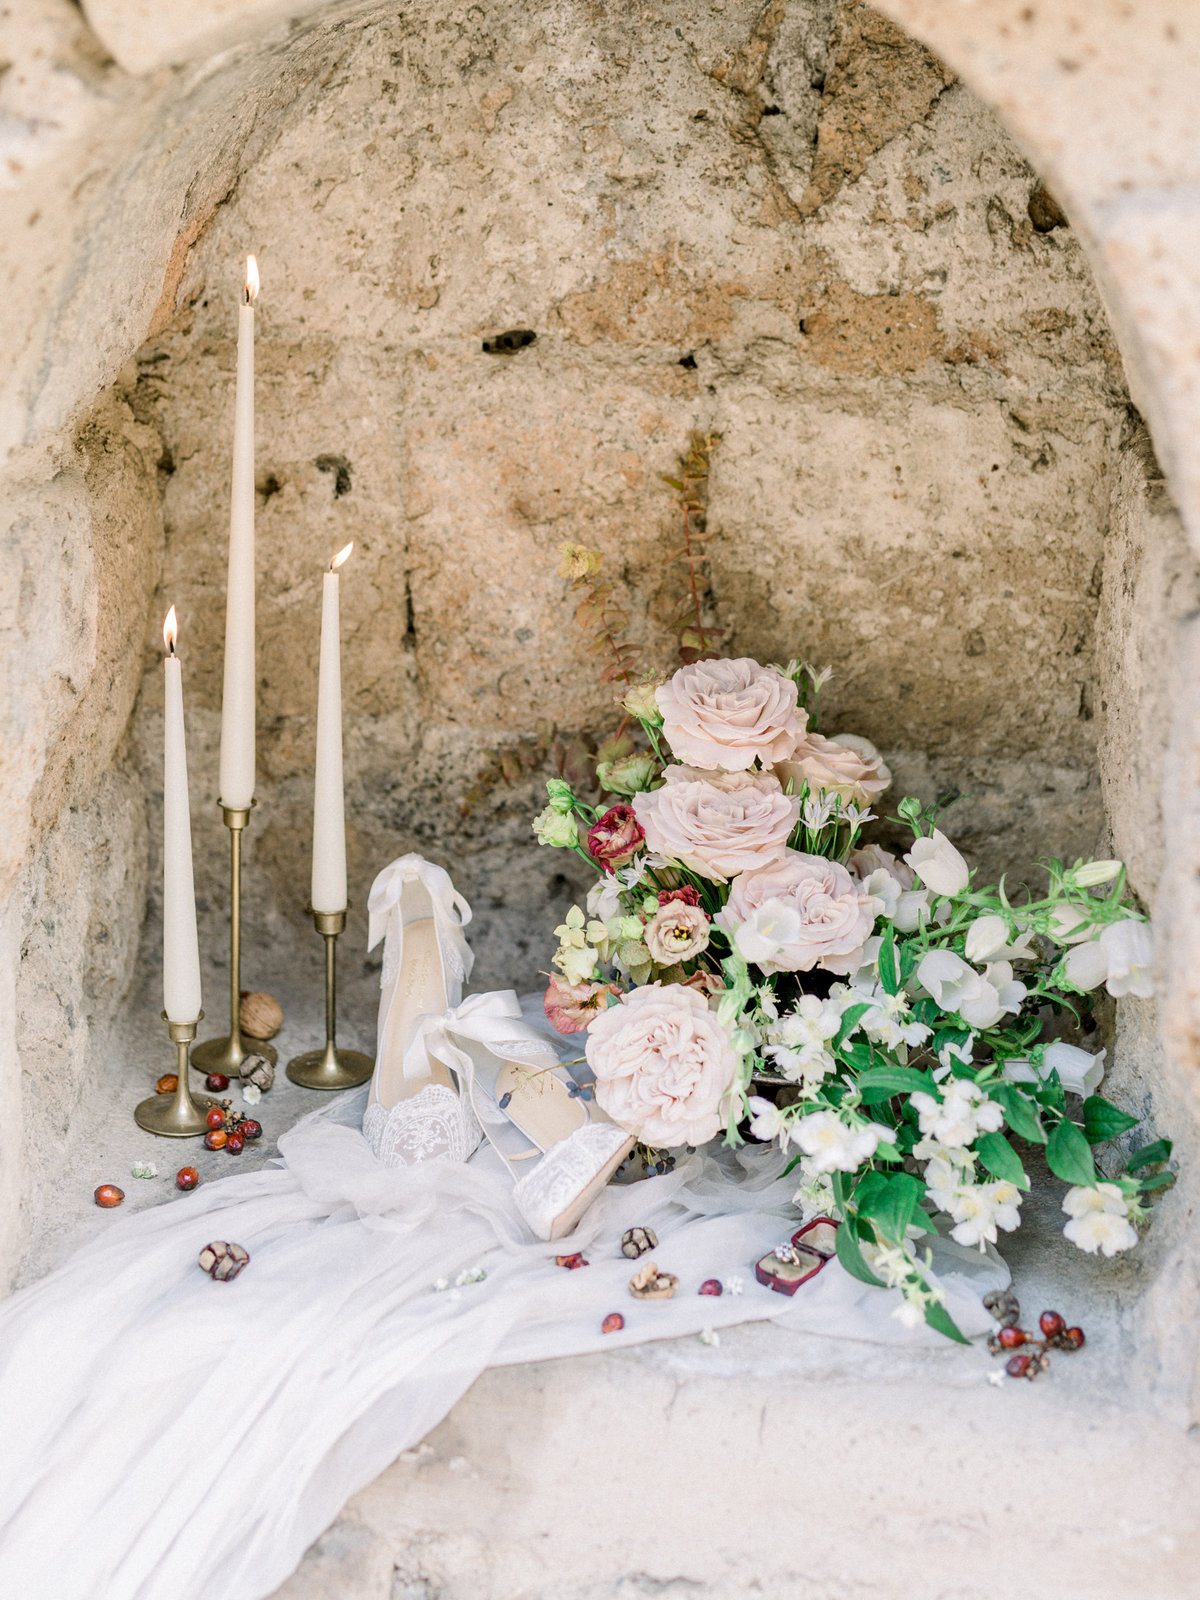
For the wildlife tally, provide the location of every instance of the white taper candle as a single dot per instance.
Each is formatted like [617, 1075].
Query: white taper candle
[329, 816]
[237, 700]
[181, 951]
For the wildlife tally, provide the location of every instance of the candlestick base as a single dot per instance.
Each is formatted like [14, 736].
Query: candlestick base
[181, 1115]
[226, 1055]
[330, 1068]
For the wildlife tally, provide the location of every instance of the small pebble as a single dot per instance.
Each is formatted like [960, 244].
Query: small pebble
[186, 1178]
[711, 1286]
[167, 1084]
[216, 1082]
[613, 1323]
[108, 1195]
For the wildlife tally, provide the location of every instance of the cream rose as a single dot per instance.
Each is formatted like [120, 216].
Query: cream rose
[847, 766]
[740, 821]
[809, 909]
[664, 1065]
[730, 714]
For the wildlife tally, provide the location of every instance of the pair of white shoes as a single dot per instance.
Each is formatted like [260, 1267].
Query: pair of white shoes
[447, 1071]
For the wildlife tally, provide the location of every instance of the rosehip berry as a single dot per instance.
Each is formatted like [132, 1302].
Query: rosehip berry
[1018, 1366]
[1051, 1324]
[711, 1286]
[1072, 1339]
[215, 1082]
[613, 1323]
[215, 1118]
[215, 1138]
[108, 1195]
[186, 1178]
[233, 1144]
[1010, 1338]
[167, 1084]
[572, 1262]
[249, 1128]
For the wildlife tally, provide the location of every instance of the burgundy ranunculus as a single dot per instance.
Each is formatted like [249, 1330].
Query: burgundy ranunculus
[689, 894]
[616, 838]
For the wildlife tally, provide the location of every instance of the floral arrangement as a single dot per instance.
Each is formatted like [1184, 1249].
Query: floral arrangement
[747, 967]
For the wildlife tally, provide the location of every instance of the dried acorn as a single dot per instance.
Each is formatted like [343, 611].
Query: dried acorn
[257, 1070]
[636, 1241]
[222, 1261]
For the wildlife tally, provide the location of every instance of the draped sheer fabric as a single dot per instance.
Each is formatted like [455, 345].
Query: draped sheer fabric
[171, 1438]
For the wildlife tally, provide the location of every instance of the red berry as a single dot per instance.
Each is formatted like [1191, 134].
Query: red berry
[249, 1128]
[215, 1138]
[233, 1144]
[108, 1195]
[215, 1118]
[1018, 1366]
[571, 1262]
[1010, 1338]
[216, 1082]
[186, 1178]
[711, 1286]
[1072, 1339]
[1051, 1324]
[613, 1323]
[167, 1084]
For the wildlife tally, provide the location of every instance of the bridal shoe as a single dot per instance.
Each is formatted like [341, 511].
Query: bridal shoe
[414, 1109]
[533, 1112]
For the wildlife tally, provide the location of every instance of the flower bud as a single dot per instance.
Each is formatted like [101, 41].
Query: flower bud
[642, 702]
[562, 796]
[553, 828]
[985, 938]
[1094, 872]
[629, 775]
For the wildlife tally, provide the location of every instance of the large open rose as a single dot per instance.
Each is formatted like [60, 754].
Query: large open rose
[829, 917]
[730, 713]
[719, 828]
[664, 1066]
[848, 766]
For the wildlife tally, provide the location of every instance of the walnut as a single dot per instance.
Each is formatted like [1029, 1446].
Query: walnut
[648, 1283]
[260, 1016]
[258, 1071]
[636, 1241]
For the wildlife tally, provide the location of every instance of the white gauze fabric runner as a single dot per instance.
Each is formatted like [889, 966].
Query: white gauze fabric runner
[166, 1437]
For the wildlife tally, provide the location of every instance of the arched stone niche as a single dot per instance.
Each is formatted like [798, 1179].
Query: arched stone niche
[788, 226]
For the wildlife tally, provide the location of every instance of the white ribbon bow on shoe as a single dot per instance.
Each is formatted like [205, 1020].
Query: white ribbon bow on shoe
[451, 914]
[489, 1018]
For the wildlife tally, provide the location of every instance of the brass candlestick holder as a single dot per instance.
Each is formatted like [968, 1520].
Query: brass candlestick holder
[180, 1115]
[330, 1068]
[226, 1055]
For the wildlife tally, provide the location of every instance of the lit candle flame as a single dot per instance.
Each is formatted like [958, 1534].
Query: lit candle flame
[170, 630]
[251, 280]
[340, 557]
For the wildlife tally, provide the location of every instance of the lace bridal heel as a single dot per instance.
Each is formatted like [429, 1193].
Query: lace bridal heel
[414, 1110]
[529, 1107]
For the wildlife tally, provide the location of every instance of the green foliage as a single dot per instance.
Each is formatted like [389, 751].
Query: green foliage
[1103, 1121]
[1001, 1160]
[1069, 1157]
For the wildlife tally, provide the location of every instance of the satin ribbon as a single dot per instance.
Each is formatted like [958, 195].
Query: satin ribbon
[388, 889]
[481, 1016]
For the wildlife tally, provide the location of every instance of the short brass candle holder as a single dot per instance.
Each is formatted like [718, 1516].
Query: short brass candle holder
[180, 1115]
[330, 1068]
[226, 1055]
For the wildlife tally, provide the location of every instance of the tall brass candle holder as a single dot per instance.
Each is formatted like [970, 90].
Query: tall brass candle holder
[227, 1054]
[180, 1115]
[330, 1068]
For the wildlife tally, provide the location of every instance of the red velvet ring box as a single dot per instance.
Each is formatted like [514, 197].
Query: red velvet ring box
[811, 1247]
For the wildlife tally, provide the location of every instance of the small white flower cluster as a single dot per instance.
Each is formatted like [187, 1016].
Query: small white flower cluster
[798, 1043]
[960, 1116]
[831, 1142]
[1100, 1219]
[978, 1209]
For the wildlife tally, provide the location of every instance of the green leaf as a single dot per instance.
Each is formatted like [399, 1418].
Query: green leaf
[852, 1258]
[880, 1083]
[850, 1017]
[1149, 1154]
[889, 975]
[1001, 1160]
[888, 1201]
[1019, 1111]
[1103, 1121]
[940, 1319]
[1160, 1180]
[857, 1055]
[1068, 1155]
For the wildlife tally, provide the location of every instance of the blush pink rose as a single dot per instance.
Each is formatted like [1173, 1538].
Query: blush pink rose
[676, 932]
[664, 1066]
[847, 766]
[833, 921]
[720, 828]
[730, 714]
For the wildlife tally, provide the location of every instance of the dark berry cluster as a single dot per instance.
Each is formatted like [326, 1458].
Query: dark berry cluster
[229, 1129]
[1031, 1355]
